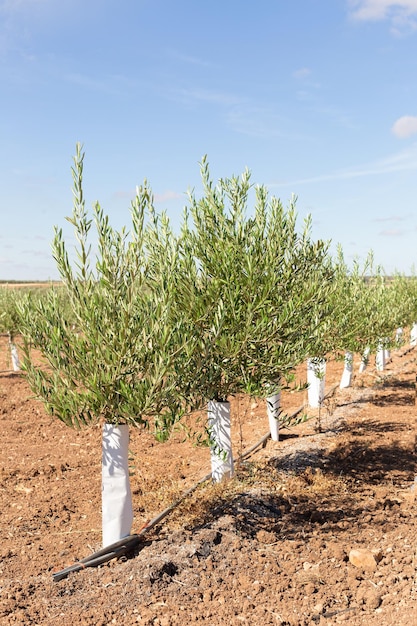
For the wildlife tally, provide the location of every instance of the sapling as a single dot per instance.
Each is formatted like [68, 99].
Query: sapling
[405, 301]
[113, 361]
[251, 292]
[369, 312]
[345, 322]
[9, 322]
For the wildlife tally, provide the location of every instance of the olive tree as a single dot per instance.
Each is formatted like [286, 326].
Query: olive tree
[253, 292]
[113, 360]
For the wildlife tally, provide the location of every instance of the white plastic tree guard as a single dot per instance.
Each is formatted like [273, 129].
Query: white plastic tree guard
[316, 379]
[117, 508]
[399, 336]
[380, 360]
[273, 405]
[346, 379]
[413, 335]
[15, 357]
[364, 360]
[221, 446]
[387, 351]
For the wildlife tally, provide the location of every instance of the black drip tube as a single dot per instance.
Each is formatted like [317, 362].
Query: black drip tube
[129, 543]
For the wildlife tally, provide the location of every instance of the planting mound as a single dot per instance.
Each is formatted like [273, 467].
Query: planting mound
[318, 528]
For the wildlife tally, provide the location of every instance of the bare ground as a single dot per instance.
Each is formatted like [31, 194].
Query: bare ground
[271, 546]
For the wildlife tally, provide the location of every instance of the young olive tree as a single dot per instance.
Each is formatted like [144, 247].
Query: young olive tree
[9, 323]
[114, 360]
[380, 314]
[10, 297]
[405, 298]
[364, 313]
[351, 313]
[340, 330]
[252, 294]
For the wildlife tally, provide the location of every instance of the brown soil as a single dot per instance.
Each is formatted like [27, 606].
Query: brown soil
[269, 547]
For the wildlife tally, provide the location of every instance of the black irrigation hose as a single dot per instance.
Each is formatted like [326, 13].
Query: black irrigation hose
[112, 551]
[122, 547]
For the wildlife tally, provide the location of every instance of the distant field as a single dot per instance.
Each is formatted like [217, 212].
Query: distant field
[13, 283]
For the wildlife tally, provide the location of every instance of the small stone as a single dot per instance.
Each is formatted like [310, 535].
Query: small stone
[264, 536]
[318, 608]
[373, 600]
[363, 559]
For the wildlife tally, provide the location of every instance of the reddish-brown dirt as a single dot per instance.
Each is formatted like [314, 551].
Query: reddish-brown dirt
[271, 546]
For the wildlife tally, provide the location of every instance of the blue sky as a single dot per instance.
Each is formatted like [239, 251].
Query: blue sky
[316, 97]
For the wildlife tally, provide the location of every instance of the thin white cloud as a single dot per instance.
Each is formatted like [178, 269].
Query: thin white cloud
[190, 60]
[399, 162]
[401, 13]
[392, 218]
[309, 96]
[336, 115]
[208, 96]
[241, 114]
[382, 9]
[37, 253]
[256, 121]
[21, 19]
[112, 84]
[391, 233]
[305, 78]
[90, 82]
[11, 6]
[301, 73]
[405, 126]
[168, 195]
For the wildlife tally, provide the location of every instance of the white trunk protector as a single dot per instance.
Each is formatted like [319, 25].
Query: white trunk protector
[117, 509]
[273, 405]
[316, 379]
[15, 357]
[413, 335]
[364, 360]
[221, 448]
[380, 360]
[346, 379]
